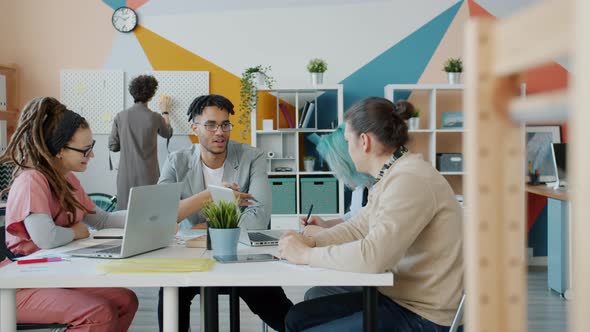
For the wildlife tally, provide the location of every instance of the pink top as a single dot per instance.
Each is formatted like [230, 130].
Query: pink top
[29, 194]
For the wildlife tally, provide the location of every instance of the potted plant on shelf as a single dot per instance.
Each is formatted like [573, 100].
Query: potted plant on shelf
[414, 121]
[454, 68]
[223, 218]
[317, 67]
[309, 163]
[253, 78]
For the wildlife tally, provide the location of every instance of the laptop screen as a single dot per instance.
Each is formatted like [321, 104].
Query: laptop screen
[559, 159]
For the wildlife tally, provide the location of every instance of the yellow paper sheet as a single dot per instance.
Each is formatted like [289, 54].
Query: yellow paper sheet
[157, 265]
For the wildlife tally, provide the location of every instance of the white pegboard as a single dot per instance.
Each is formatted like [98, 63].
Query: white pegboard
[183, 87]
[97, 95]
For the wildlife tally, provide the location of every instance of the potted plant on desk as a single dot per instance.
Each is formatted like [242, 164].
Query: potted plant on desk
[223, 218]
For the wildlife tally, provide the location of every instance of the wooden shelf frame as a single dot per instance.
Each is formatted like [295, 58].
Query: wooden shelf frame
[496, 53]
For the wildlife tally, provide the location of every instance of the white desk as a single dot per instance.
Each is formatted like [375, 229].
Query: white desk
[82, 272]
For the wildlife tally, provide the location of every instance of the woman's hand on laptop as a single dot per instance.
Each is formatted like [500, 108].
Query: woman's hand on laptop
[295, 248]
[80, 231]
[244, 199]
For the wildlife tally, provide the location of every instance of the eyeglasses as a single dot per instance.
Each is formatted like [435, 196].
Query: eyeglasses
[212, 127]
[84, 152]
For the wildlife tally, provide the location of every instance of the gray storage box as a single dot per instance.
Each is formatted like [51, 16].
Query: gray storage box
[321, 192]
[449, 162]
[283, 195]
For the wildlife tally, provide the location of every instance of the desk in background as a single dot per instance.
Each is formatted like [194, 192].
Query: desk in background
[558, 238]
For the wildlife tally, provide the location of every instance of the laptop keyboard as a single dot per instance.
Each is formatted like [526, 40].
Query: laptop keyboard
[259, 237]
[112, 250]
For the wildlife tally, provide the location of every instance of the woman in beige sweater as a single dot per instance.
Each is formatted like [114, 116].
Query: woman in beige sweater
[411, 226]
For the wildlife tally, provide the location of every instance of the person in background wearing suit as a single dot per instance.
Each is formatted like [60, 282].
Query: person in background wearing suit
[411, 226]
[217, 160]
[135, 134]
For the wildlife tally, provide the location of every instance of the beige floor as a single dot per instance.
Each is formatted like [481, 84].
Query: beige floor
[547, 311]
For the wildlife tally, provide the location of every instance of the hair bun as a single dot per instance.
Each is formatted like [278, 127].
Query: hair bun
[404, 109]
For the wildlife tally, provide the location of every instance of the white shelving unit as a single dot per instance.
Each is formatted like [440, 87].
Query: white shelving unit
[431, 138]
[287, 144]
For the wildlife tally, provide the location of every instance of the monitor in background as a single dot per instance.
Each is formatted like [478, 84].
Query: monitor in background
[559, 161]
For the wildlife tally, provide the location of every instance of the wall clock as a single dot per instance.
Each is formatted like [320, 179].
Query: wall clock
[124, 19]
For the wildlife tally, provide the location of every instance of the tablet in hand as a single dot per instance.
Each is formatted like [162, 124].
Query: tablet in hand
[219, 193]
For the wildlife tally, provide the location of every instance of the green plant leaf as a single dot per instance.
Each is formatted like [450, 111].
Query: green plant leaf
[222, 214]
[317, 66]
[249, 94]
[453, 65]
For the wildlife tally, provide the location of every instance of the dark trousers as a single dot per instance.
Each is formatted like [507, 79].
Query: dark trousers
[344, 312]
[269, 303]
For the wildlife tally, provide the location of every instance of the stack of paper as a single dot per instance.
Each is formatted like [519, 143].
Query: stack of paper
[157, 265]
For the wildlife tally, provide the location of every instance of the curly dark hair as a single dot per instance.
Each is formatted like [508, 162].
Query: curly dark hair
[197, 106]
[143, 88]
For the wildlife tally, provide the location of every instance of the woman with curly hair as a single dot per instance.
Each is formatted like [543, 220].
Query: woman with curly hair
[134, 134]
[47, 208]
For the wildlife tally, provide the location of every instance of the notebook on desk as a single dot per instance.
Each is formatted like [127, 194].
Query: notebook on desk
[149, 224]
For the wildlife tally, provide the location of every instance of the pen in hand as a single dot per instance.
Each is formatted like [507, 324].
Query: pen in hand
[308, 214]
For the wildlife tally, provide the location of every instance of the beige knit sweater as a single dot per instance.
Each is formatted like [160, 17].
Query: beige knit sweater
[411, 226]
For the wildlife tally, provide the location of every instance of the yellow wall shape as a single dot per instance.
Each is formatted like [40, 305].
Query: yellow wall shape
[166, 55]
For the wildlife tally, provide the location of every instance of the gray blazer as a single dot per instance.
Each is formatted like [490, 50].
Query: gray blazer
[245, 165]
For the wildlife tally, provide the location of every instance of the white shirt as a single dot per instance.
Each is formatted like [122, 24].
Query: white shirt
[356, 203]
[212, 176]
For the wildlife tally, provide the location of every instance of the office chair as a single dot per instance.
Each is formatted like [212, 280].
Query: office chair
[456, 325]
[106, 202]
[5, 253]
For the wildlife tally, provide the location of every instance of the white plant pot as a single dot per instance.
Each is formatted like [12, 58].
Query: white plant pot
[413, 123]
[308, 165]
[317, 78]
[454, 78]
[259, 80]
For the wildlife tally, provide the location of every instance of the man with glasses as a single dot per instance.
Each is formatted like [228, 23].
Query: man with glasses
[217, 160]
[135, 134]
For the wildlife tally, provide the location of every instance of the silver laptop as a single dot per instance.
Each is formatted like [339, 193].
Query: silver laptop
[149, 224]
[261, 238]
